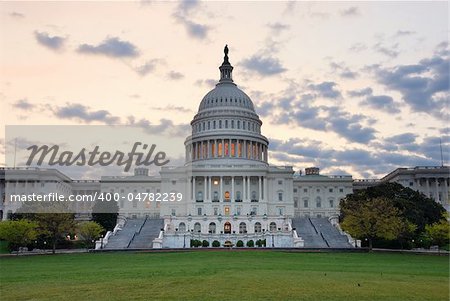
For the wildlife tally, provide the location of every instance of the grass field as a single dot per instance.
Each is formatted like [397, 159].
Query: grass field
[225, 275]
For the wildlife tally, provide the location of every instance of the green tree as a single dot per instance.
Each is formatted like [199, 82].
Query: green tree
[54, 219]
[90, 231]
[439, 233]
[375, 218]
[105, 213]
[18, 233]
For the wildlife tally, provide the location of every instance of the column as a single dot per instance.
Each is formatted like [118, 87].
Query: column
[244, 148]
[259, 188]
[265, 189]
[428, 187]
[244, 196]
[445, 198]
[193, 189]
[223, 149]
[232, 188]
[209, 191]
[204, 192]
[436, 193]
[221, 192]
[249, 193]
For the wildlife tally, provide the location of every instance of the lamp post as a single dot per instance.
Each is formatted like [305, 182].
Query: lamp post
[273, 241]
[101, 241]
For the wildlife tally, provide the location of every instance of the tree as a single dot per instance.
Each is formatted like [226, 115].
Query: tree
[90, 231]
[439, 232]
[239, 244]
[413, 205]
[54, 219]
[205, 243]
[18, 233]
[250, 243]
[105, 213]
[375, 218]
[216, 244]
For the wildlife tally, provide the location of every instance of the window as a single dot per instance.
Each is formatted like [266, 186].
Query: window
[199, 211]
[280, 211]
[214, 124]
[253, 195]
[216, 196]
[134, 203]
[212, 227]
[232, 124]
[238, 124]
[411, 184]
[341, 189]
[280, 182]
[174, 212]
[209, 125]
[296, 202]
[197, 227]
[242, 228]
[257, 227]
[254, 211]
[305, 190]
[182, 227]
[280, 196]
[330, 190]
[318, 190]
[220, 124]
[273, 227]
[216, 211]
[331, 203]
[238, 210]
[318, 203]
[199, 196]
[226, 124]
[305, 203]
[295, 190]
[238, 196]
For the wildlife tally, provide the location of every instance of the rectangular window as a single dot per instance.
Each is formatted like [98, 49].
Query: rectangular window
[305, 203]
[199, 211]
[330, 190]
[216, 211]
[305, 190]
[280, 196]
[295, 190]
[173, 212]
[341, 189]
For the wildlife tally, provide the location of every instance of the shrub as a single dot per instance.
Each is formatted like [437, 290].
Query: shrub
[250, 243]
[263, 243]
[216, 244]
[258, 243]
[239, 244]
[205, 244]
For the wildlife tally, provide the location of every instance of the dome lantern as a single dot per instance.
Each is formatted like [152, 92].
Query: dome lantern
[226, 69]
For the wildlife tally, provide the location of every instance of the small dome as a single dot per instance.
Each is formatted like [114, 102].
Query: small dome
[226, 95]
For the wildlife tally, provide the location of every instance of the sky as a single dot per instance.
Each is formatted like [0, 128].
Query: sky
[356, 88]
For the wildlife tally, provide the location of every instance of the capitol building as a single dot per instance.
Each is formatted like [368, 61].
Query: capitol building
[231, 194]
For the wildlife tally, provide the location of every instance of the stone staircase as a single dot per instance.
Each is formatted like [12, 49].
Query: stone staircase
[149, 231]
[123, 237]
[319, 233]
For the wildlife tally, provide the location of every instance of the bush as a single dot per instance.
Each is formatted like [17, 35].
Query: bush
[195, 243]
[258, 243]
[205, 244]
[216, 244]
[239, 244]
[250, 243]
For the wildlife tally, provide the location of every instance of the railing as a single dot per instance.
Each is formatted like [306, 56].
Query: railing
[131, 240]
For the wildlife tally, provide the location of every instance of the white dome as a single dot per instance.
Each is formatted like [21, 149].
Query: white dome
[226, 95]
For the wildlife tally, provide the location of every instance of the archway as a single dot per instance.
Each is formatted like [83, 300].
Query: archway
[242, 228]
[227, 228]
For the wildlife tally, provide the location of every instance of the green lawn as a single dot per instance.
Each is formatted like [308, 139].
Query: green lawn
[225, 275]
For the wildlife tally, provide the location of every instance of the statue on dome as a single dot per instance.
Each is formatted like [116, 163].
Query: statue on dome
[225, 50]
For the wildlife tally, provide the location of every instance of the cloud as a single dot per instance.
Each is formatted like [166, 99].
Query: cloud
[174, 75]
[16, 15]
[165, 126]
[359, 93]
[424, 86]
[405, 138]
[277, 28]
[147, 67]
[326, 89]
[402, 33]
[183, 15]
[111, 47]
[391, 52]
[264, 66]
[358, 47]
[349, 127]
[84, 113]
[23, 104]
[173, 108]
[343, 71]
[350, 12]
[51, 42]
[381, 102]
[206, 82]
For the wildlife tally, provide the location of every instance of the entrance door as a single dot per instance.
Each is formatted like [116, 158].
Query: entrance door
[227, 228]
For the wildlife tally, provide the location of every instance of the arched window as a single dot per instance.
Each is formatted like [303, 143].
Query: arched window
[212, 227]
[182, 227]
[197, 228]
[242, 228]
[273, 227]
[227, 195]
[318, 202]
[227, 228]
[305, 203]
[257, 227]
